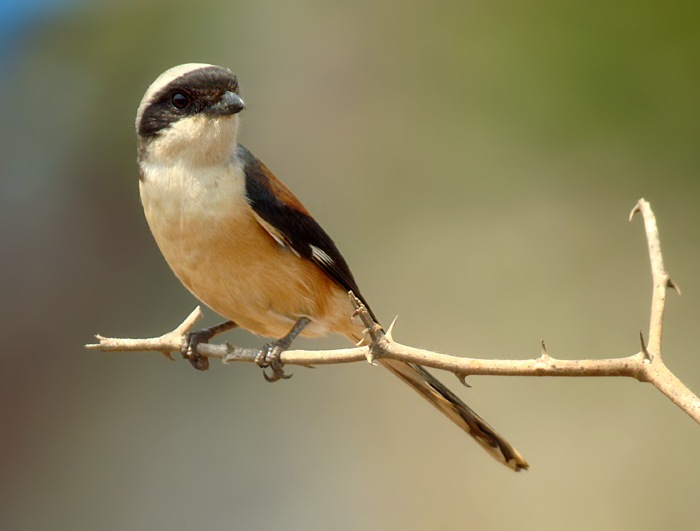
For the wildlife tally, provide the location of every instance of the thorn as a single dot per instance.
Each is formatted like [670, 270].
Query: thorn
[647, 356]
[671, 284]
[545, 355]
[387, 334]
[229, 357]
[364, 339]
[370, 357]
[637, 208]
[463, 379]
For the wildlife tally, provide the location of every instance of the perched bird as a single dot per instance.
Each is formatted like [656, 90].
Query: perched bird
[244, 245]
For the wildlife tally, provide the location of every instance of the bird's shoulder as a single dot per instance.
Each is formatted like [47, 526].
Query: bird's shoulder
[284, 217]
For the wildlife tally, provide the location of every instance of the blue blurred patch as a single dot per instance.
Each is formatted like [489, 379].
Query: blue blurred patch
[17, 17]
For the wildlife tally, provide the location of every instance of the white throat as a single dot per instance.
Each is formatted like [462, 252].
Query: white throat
[197, 141]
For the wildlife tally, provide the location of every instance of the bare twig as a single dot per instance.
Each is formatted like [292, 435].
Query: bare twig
[645, 366]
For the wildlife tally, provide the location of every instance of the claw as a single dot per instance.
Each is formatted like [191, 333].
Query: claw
[270, 354]
[192, 340]
[276, 377]
[189, 349]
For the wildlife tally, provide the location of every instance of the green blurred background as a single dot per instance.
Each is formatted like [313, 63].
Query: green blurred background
[476, 163]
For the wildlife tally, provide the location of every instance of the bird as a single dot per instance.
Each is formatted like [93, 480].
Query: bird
[242, 243]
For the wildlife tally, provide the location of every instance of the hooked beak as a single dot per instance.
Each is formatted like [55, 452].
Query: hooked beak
[230, 103]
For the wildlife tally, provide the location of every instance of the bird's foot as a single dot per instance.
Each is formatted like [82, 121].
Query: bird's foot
[269, 356]
[193, 339]
[271, 353]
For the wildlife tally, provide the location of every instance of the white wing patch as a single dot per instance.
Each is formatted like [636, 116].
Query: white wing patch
[277, 239]
[277, 236]
[317, 254]
[320, 256]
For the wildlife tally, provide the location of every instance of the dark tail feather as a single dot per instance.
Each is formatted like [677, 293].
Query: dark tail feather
[457, 411]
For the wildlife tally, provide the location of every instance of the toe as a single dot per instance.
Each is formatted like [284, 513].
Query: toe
[189, 351]
[269, 356]
[201, 363]
[261, 359]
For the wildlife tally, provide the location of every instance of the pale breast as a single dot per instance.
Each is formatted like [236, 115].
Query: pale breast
[209, 236]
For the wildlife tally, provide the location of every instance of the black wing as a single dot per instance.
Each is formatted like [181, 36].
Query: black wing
[278, 206]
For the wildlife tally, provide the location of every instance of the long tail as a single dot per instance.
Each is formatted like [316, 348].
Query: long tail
[457, 411]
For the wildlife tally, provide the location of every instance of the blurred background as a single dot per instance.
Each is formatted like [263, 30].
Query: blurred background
[475, 162]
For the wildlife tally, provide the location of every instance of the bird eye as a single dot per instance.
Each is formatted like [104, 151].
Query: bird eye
[179, 100]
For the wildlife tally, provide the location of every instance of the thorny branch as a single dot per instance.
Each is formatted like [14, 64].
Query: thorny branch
[645, 366]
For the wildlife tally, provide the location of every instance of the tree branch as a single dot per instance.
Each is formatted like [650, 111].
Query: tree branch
[645, 366]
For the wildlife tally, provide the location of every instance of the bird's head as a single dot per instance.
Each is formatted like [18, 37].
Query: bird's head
[189, 114]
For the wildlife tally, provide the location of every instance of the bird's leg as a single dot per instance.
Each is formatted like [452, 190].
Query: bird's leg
[192, 339]
[269, 355]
